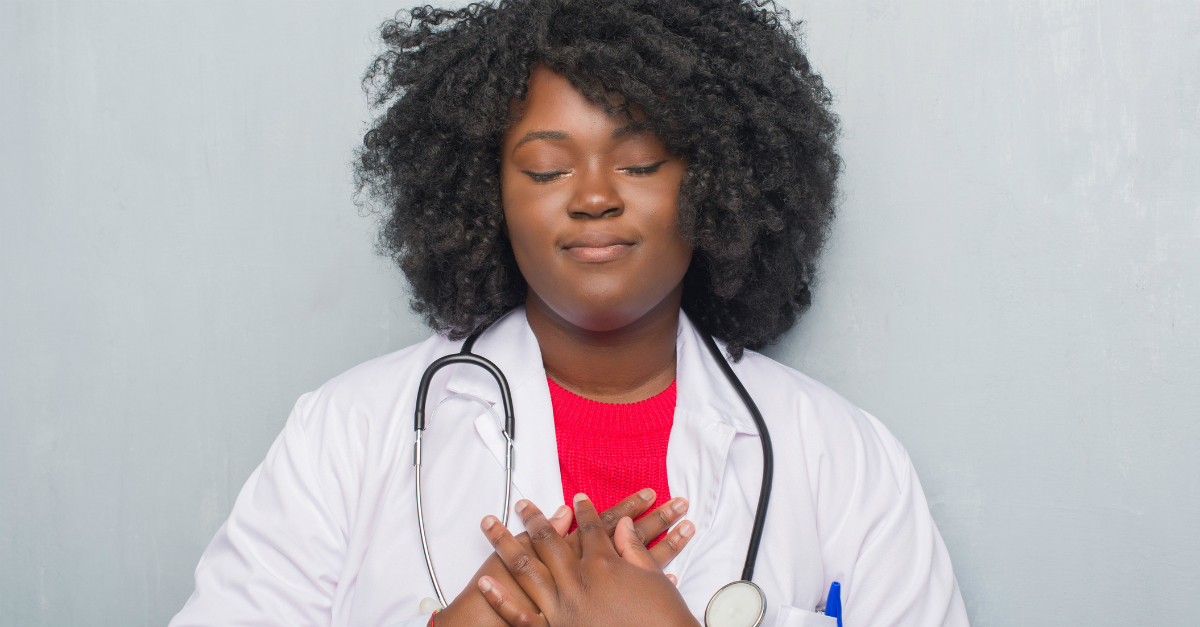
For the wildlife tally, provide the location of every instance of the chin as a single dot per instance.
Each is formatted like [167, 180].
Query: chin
[598, 314]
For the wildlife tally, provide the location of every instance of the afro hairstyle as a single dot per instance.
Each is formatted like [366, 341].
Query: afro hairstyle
[724, 83]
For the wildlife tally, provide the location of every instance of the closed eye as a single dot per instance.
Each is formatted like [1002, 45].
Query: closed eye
[644, 169]
[543, 177]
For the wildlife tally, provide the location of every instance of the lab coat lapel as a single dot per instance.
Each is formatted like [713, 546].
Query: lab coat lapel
[512, 346]
[706, 421]
[705, 426]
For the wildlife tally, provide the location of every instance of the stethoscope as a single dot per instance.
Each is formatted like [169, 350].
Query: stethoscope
[738, 604]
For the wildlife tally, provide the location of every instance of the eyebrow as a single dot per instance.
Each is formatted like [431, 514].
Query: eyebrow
[627, 130]
[534, 135]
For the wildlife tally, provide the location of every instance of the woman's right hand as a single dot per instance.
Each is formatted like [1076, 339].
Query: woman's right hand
[470, 607]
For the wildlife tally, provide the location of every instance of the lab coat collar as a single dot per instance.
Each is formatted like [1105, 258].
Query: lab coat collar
[708, 415]
[510, 343]
[702, 387]
[512, 346]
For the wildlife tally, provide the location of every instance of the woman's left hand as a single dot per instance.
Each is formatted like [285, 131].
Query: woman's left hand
[613, 582]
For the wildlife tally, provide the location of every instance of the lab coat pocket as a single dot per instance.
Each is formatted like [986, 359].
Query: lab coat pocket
[796, 617]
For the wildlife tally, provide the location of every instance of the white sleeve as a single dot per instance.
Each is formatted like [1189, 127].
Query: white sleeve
[903, 576]
[277, 559]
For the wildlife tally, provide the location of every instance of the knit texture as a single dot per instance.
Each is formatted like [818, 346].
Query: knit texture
[611, 450]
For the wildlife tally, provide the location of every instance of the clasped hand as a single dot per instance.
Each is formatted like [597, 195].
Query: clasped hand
[608, 582]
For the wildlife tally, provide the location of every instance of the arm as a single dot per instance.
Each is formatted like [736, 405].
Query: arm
[276, 560]
[903, 574]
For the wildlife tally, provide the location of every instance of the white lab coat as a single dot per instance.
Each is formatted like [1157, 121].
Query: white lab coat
[324, 531]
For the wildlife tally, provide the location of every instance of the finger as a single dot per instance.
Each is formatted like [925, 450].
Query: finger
[512, 610]
[632, 506]
[655, 523]
[549, 544]
[672, 543]
[628, 546]
[592, 536]
[495, 568]
[521, 562]
[562, 520]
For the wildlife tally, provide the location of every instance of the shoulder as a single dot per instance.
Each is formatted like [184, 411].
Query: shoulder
[831, 430]
[383, 376]
[372, 397]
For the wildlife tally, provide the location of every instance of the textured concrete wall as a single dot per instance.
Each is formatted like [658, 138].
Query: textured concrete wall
[1013, 285]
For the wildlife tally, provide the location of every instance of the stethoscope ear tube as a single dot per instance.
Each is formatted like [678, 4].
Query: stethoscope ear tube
[764, 492]
[463, 357]
[473, 359]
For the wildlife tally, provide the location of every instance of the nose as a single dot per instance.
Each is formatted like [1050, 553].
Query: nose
[596, 196]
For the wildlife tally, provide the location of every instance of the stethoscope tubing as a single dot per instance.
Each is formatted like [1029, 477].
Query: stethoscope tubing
[768, 473]
[465, 356]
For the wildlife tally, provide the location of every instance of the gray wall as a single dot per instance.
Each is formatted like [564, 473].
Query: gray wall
[1013, 286]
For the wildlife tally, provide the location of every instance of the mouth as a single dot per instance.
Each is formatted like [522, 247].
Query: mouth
[598, 247]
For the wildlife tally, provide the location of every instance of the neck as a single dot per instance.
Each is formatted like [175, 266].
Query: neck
[624, 365]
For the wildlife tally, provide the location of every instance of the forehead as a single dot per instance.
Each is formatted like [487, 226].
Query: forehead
[553, 104]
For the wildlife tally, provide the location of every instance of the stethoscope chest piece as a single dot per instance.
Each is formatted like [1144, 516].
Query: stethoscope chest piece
[737, 604]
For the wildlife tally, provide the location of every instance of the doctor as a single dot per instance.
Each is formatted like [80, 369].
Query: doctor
[608, 224]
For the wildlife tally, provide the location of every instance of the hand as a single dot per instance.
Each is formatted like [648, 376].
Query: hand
[611, 582]
[471, 608]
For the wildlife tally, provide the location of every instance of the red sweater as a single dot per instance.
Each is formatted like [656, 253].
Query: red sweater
[608, 450]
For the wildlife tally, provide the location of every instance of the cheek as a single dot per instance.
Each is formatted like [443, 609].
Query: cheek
[675, 253]
[517, 212]
[528, 224]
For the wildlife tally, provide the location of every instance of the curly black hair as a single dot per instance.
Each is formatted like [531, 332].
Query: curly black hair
[724, 83]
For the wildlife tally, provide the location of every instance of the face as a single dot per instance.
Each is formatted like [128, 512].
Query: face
[590, 205]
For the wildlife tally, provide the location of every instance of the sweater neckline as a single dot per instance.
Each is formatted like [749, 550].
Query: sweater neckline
[579, 413]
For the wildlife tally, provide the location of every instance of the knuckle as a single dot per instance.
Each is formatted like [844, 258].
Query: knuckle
[609, 518]
[523, 564]
[591, 526]
[663, 516]
[542, 534]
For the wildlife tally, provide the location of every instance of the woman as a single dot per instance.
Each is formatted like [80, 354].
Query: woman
[588, 186]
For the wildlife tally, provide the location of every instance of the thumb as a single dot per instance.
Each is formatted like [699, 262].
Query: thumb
[561, 520]
[631, 548]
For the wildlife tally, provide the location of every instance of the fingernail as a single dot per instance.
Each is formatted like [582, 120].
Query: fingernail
[580, 497]
[560, 512]
[686, 529]
[628, 524]
[680, 506]
[522, 505]
[484, 584]
[646, 494]
[487, 523]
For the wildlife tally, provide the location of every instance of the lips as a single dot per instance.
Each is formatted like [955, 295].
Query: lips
[598, 247]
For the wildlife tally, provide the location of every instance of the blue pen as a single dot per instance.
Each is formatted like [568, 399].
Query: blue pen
[833, 605]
